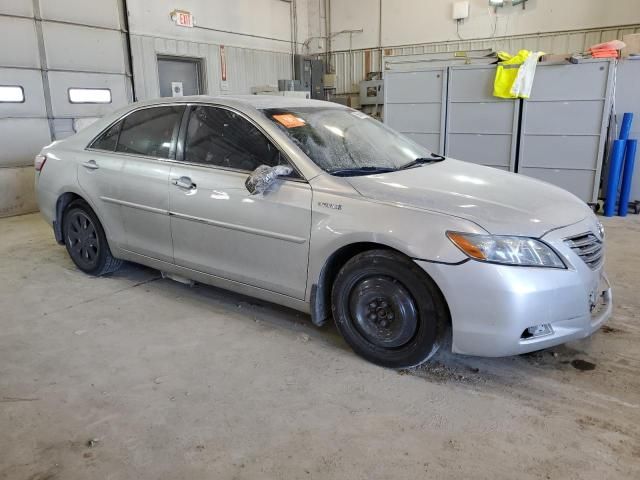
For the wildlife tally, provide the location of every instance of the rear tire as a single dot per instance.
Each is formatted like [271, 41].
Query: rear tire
[85, 240]
[388, 309]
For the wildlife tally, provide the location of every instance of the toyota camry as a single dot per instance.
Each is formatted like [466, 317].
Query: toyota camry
[323, 209]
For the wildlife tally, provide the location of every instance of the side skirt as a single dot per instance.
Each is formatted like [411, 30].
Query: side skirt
[214, 280]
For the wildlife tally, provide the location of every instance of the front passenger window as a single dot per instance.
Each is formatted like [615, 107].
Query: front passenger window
[222, 138]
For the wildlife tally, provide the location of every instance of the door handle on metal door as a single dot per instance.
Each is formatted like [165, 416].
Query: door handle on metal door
[91, 165]
[184, 182]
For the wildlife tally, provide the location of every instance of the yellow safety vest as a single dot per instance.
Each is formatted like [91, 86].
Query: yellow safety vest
[506, 76]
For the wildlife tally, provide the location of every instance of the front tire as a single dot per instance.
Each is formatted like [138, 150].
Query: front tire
[85, 240]
[388, 310]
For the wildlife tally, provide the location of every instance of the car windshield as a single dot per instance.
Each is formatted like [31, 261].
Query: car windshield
[348, 142]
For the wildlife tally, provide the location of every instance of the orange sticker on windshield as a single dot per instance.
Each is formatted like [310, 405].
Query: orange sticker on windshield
[289, 120]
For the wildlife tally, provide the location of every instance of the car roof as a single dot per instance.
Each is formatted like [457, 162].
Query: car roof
[255, 101]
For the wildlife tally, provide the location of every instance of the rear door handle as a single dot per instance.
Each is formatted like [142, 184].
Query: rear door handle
[184, 182]
[91, 165]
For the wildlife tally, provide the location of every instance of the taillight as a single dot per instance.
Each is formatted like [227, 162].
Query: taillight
[39, 162]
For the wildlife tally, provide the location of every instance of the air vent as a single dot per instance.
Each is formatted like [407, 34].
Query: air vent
[588, 248]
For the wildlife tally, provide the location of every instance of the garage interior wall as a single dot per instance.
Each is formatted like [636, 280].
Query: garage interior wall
[60, 44]
[418, 26]
[256, 35]
[54, 45]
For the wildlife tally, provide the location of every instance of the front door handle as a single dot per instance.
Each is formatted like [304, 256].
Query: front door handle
[91, 165]
[184, 182]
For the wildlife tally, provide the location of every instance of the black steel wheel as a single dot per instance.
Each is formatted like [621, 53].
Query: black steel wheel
[383, 311]
[388, 310]
[82, 239]
[85, 240]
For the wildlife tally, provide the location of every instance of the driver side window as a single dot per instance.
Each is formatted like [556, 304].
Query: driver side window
[223, 138]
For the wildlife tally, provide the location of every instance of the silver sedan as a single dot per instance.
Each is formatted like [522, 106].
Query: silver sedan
[320, 208]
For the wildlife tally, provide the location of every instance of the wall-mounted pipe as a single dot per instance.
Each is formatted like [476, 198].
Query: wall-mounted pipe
[293, 26]
[127, 37]
[327, 29]
[380, 33]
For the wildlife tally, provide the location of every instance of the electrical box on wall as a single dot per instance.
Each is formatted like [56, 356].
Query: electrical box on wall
[371, 92]
[460, 10]
[310, 72]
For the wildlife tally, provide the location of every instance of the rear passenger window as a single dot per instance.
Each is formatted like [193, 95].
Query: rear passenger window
[222, 138]
[109, 139]
[151, 132]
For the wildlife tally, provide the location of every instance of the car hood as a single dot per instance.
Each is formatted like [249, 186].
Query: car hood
[500, 202]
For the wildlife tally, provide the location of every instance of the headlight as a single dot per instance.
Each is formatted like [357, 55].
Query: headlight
[507, 250]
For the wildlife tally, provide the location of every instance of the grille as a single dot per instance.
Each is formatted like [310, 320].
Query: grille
[588, 248]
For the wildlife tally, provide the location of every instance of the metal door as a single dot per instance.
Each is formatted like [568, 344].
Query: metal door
[146, 141]
[217, 226]
[220, 229]
[178, 76]
[99, 176]
[145, 213]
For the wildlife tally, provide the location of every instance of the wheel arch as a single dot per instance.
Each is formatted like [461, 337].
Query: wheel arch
[320, 298]
[62, 203]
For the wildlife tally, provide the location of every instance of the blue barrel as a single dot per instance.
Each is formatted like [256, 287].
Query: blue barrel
[625, 128]
[627, 176]
[613, 180]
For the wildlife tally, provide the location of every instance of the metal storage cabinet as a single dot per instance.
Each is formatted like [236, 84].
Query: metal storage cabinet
[628, 100]
[414, 105]
[564, 125]
[481, 128]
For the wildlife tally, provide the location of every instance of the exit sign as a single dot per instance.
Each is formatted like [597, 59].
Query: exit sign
[182, 18]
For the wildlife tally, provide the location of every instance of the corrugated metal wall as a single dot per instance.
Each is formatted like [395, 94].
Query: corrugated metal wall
[352, 67]
[245, 67]
[248, 68]
[51, 46]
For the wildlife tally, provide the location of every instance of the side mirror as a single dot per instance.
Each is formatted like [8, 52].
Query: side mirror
[263, 177]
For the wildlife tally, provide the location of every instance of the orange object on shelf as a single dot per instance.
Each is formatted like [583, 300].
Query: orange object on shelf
[604, 53]
[607, 49]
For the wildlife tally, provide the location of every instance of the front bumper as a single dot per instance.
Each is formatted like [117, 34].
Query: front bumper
[492, 305]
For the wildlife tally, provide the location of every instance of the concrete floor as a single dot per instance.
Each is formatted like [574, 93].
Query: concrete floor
[132, 376]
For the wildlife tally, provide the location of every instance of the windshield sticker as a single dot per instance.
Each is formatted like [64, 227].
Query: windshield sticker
[289, 120]
[358, 114]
